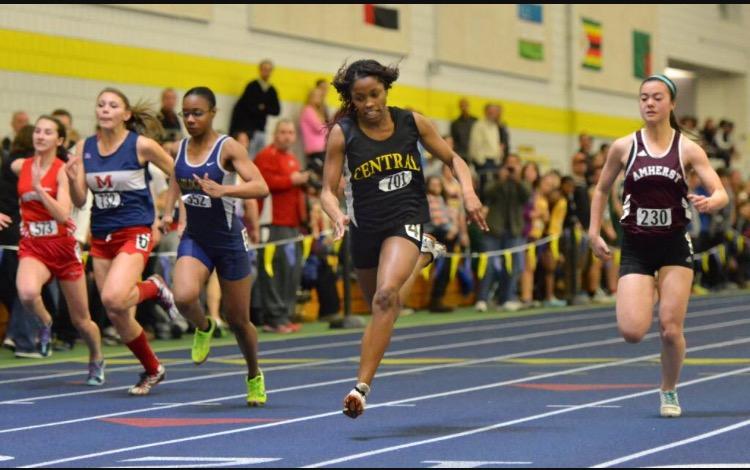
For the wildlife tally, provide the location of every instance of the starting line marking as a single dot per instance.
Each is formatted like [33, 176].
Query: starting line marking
[469, 463]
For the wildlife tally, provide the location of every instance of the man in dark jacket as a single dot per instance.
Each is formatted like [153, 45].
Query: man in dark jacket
[249, 115]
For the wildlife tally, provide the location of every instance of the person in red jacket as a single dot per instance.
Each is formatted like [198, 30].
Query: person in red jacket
[282, 214]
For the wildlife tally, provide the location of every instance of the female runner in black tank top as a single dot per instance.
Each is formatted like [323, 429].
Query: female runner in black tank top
[375, 148]
[655, 205]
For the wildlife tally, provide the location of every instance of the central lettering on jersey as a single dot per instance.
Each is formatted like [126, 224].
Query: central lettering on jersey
[387, 162]
[657, 170]
[105, 182]
[189, 184]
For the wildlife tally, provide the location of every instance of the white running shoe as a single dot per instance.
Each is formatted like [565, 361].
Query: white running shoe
[354, 402]
[432, 246]
[670, 404]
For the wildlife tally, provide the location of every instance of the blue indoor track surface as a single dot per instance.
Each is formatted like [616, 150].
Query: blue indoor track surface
[558, 389]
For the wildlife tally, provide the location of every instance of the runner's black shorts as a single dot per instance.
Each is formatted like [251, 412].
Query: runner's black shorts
[646, 255]
[365, 246]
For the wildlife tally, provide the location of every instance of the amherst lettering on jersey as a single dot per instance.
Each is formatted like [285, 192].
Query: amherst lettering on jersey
[657, 170]
[387, 162]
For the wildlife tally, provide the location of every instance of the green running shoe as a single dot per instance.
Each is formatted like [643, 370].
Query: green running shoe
[670, 405]
[256, 390]
[202, 343]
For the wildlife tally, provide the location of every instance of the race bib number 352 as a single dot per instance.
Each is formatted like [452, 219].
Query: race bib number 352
[197, 200]
[107, 200]
[654, 217]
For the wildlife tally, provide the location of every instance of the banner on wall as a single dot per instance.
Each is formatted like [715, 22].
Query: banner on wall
[593, 32]
[641, 54]
[531, 31]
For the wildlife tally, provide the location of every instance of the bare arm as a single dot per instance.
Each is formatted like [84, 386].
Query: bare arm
[252, 186]
[171, 196]
[612, 167]
[58, 207]
[150, 151]
[440, 149]
[252, 219]
[77, 176]
[696, 157]
[333, 167]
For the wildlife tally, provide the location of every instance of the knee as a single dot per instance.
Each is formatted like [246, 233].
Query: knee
[237, 325]
[27, 296]
[183, 298]
[671, 333]
[386, 300]
[631, 335]
[80, 324]
[113, 300]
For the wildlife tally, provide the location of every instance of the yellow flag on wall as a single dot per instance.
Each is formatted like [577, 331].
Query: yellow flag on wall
[508, 262]
[426, 272]
[704, 262]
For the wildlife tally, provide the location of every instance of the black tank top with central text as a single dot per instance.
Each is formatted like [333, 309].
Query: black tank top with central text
[385, 185]
[655, 193]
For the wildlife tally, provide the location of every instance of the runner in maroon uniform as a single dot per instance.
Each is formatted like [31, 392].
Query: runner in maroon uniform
[656, 212]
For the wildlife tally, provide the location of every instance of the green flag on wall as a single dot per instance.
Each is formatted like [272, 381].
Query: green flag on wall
[531, 50]
[641, 54]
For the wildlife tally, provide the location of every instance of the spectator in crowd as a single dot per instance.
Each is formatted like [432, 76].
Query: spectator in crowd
[504, 134]
[275, 297]
[18, 120]
[724, 141]
[323, 85]
[250, 113]
[586, 146]
[505, 199]
[444, 226]
[461, 129]
[558, 209]
[313, 127]
[536, 216]
[484, 145]
[168, 116]
[71, 135]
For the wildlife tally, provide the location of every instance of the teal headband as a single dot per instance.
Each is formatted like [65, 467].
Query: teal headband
[664, 79]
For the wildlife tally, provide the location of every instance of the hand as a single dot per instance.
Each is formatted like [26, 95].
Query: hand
[210, 187]
[340, 227]
[600, 248]
[300, 177]
[702, 203]
[73, 167]
[36, 175]
[166, 222]
[474, 212]
[5, 221]
[155, 234]
[254, 235]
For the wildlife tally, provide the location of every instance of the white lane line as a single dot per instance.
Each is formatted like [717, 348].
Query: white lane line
[413, 371]
[418, 399]
[708, 313]
[493, 427]
[683, 442]
[571, 406]
[313, 347]
[469, 463]
[557, 318]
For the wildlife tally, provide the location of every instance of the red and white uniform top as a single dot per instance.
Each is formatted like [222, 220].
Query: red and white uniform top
[36, 221]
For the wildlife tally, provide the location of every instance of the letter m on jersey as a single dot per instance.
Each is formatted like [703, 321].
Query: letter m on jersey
[105, 182]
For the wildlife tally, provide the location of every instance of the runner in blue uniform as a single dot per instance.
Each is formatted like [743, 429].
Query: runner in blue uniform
[206, 170]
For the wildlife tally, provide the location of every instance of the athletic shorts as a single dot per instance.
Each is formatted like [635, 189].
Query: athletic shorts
[130, 240]
[231, 265]
[365, 246]
[646, 255]
[61, 255]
